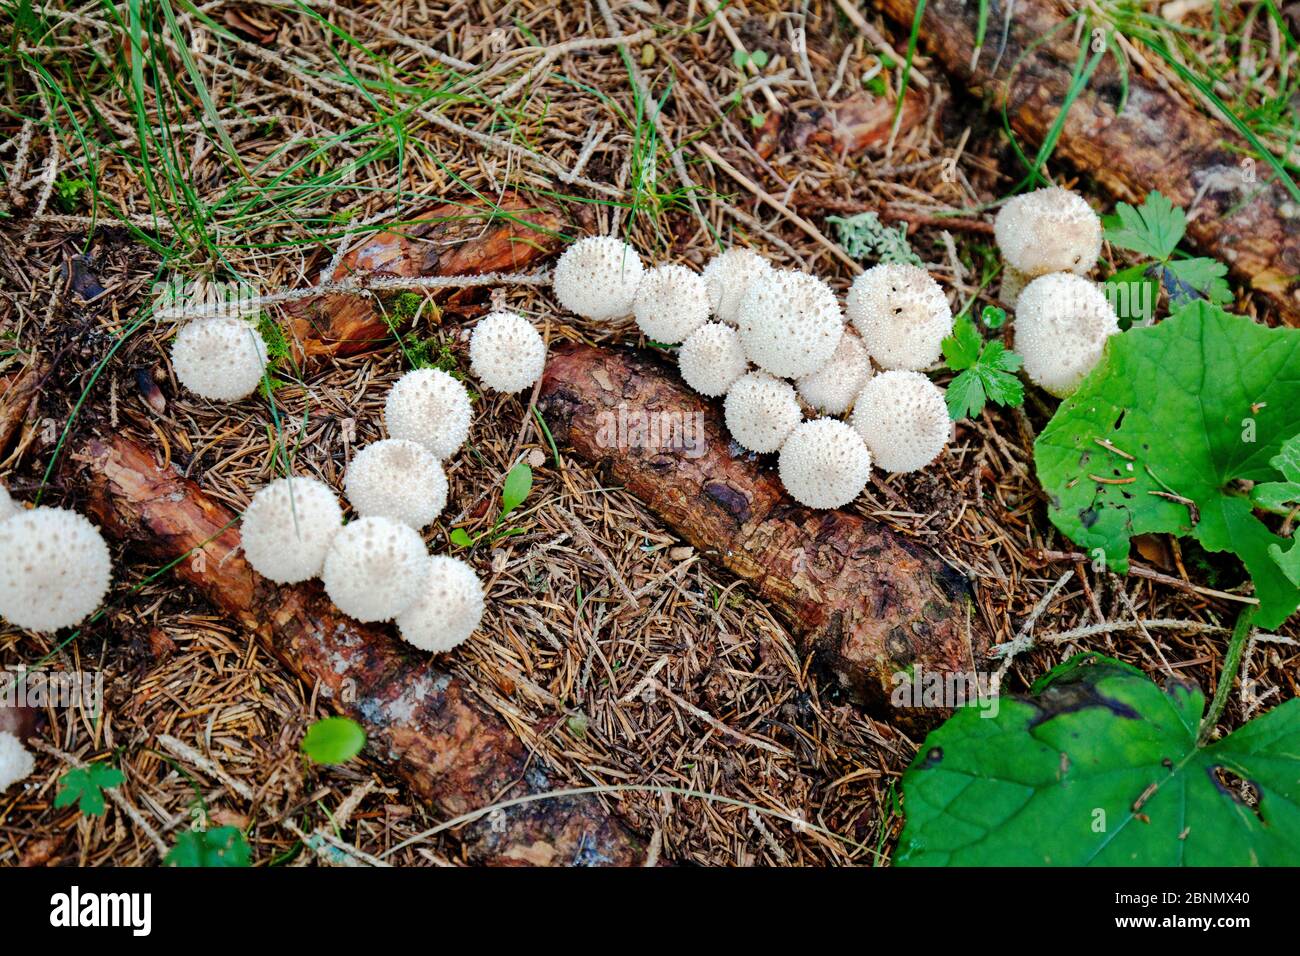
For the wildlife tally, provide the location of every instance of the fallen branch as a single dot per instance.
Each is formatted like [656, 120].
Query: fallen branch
[425, 723]
[869, 602]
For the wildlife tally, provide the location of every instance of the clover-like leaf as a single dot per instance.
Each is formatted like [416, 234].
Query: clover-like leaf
[1158, 435]
[85, 787]
[1102, 767]
[987, 372]
[1282, 496]
[1153, 229]
[215, 847]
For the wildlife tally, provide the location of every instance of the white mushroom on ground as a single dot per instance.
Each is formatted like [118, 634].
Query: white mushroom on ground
[7, 505]
[1062, 324]
[375, 569]
[287, 529]
[671, 303]
[833, 387]
[219, 359]
[16, 763]
[1049, 230]
[399, 479]
[506, 353]
[761, 411]
[903, 418]
[824, 463]
[449, 608]
[712, 359]
[728, 277]
[429, 406]
[901, 314]
[597, 277]
[790, 323]
[54, 569]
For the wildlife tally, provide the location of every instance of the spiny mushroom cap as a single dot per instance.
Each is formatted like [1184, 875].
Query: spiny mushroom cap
[448, 609]
[427, 405]
[7, 506]
[219, 359]
[712, 359]
[728, 277]
[1013, 283]
[506, 353]
[287, 529]
[399, 479]
[597, 277]
[824, 463]
[832, 388]
[1049, 230]
[15, 762]
[761, 411]
[54, 569]
[671, 303]
[903, 418]
[902, 315]
[789, 323]
[375, 569]
[1062, 324]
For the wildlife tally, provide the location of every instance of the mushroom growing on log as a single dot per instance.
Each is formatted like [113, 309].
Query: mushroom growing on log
[869, 602]
[425, 723]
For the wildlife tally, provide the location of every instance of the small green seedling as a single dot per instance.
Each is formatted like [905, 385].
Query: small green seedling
[517, 486]
[741, 59]
[333, 740]
[85, 787]
[987, 369]
[214, 847]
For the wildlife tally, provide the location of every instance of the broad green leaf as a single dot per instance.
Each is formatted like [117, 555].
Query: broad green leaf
[1153, 229]
[1160, 432]
[217, 847]
[517, 485]
[1288, 561]
[1101, 767]
[333, 740]
[460, 538]
[85, 787]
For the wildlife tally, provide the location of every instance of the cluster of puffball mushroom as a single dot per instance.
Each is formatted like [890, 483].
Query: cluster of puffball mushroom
[767, 338]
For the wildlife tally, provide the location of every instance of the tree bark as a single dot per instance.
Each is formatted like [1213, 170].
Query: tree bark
[422, 721]
[18, 393]
[869, 602]
[1159, 141]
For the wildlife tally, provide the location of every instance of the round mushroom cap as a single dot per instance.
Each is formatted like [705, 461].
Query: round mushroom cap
[728, 277]
[1062, 324]
[761, 411]
[449, 608]
[902, 315]
[7, 506]
[789, 323]
[399, 479]
[506, 353]
[428, 405]
[375, 569]
[824, 463]
[671, 303]
[219, 359]
[902, 417]
[833, 388]
[597, 277]
[15, 762]
[1048, 230]
[287, 529]
[712, 359]
[54, 569]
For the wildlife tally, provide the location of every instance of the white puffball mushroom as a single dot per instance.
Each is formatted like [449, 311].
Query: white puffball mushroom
[219, 359]
[1062, 324]
[728, 277]
[1048, 230]
[375, 569]
[711, 359]
[1013, 283]
[902, 417]
[7, 506]
[16, 763]
[789, 323]
[399, 479]
[506, 353]
[287, 529]
[54, 569]
[449, 608]
[833, 387]
[429, 406]
[671, 303]
[901, 314]
[824, 463]
[761, 411]
[597, 277]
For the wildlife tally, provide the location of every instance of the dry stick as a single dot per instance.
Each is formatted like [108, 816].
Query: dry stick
[552, 53]
[1106, 627]
[719, 725]
[1140, 571]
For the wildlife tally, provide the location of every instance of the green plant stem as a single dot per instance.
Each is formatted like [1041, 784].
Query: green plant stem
[1231, 664]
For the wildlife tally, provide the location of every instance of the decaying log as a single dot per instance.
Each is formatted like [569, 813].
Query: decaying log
[869, 602]
[1158, 142]
[425, 723]
[451, 240]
